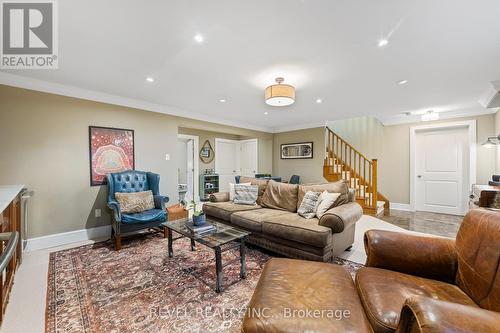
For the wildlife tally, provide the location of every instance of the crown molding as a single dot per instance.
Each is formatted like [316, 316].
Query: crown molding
[404, 119]
[281, 129]
[91, 95]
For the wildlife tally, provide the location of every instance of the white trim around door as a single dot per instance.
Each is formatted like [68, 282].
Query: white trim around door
[471, 128]
[196, 163]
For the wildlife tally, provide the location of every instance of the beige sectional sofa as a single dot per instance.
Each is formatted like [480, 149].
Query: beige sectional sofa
[275, 225]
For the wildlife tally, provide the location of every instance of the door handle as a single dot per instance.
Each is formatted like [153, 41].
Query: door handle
[419, 176]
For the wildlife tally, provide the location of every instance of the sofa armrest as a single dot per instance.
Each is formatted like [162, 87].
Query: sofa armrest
[341, 217]
[427, 315]
[115, 207]
[425, 256]
[219, 197]
[160, 201]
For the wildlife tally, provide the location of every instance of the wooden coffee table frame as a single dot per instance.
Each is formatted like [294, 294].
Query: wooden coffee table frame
[218, 250]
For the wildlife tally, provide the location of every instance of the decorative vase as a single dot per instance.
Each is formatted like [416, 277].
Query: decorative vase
[199, 220]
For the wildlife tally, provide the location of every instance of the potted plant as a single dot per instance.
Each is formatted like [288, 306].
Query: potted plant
[198, 215]
[199, 218]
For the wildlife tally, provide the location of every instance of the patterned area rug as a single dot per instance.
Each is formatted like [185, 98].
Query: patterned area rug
[93, 288]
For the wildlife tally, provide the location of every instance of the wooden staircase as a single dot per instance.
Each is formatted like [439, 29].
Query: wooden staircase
[343, 161]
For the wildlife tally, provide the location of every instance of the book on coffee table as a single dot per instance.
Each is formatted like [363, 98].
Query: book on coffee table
[200, 229]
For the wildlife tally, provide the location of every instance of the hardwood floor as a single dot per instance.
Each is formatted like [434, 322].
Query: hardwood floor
[431, 223]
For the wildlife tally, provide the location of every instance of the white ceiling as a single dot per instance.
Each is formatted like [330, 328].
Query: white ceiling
[448, 50]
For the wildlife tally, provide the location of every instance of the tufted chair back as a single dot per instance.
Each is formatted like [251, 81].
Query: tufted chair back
[478, 252]
[132, 181]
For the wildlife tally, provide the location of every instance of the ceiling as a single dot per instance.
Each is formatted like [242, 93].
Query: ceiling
[448, 50]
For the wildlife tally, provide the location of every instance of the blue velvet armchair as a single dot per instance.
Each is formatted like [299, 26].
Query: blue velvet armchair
[135, 181]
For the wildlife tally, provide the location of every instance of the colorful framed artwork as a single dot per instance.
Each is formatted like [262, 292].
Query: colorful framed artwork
[293, 151]
[111, 150]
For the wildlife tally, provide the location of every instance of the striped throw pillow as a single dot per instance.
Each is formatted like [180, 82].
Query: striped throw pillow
[245, 194]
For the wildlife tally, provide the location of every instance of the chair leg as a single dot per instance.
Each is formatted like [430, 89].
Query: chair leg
[118, 242]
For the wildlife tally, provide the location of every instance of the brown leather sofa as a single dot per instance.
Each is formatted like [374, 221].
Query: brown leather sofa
[411, 283]
[275, 225]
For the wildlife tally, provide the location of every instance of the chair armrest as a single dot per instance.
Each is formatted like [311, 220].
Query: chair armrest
[427, 315]
[160, 201]
[425, 256]
[115, 207]
[341, 217]
[219, 197]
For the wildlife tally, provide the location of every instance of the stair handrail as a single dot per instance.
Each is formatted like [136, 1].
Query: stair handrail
[371, 183]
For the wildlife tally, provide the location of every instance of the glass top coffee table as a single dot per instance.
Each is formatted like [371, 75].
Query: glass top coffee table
[224, 238]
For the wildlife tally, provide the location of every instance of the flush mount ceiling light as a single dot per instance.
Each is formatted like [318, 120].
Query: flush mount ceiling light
[280, 94]
[150, 79]
[430, 115]
[319, 101]
[403, 82]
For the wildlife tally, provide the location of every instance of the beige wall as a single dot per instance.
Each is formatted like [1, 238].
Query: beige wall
[309, 170]
[391, 146]
[44, 145]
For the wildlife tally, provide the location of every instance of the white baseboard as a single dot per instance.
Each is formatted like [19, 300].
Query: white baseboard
[45, 242]
[401, 206]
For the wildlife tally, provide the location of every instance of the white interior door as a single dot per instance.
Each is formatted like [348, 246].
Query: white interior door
[441, 165]
[227, 162]
[190, 170]
[248, 157]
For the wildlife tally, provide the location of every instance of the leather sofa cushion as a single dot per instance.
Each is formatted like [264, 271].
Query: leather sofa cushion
[384, 292]
[335, 187]
[252, 220]
[223, 210]
[296, 228]
[280, 196]
[296, 285]
[262, 183]
[478, 253]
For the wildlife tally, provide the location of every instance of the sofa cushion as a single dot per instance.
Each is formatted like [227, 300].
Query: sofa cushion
[280, 196]
[223, 210]
[252, 219]
[383, 293]
[147, 216]
[289, 286]
[245, 194]
[296, 228]
[262, 183]
[335, 187]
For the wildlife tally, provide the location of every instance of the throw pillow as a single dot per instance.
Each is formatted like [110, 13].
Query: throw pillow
[327, 200]
[231, 189]
[308, 205]
[245, 194]
[135, 202]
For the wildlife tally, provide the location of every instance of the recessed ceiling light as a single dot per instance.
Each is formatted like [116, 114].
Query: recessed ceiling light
[222, 100]
[383, 42]
[266, 113]
[198, 38]
[319, 101]
[150, 79]
[403, 82]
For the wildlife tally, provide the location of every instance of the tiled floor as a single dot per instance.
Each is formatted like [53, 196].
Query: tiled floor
[429, 223]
